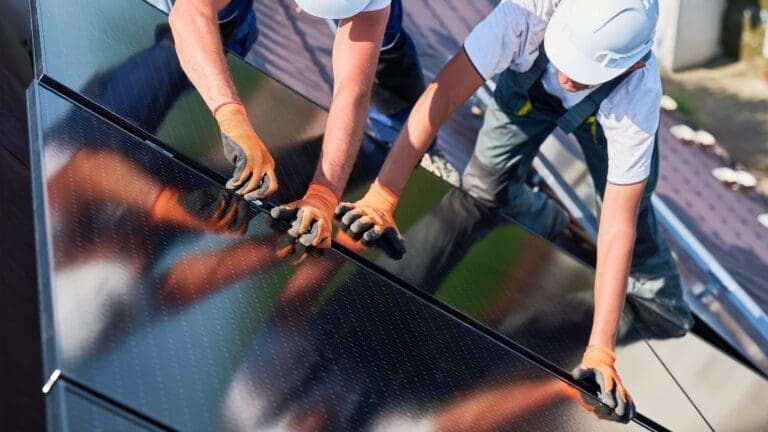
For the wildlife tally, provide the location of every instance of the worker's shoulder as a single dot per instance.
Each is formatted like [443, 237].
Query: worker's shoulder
[642, 85]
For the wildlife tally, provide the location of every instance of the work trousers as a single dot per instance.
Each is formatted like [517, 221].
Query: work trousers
[495, 180]
[506, 145]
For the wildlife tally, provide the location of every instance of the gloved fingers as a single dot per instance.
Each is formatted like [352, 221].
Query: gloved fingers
[361, 225]
[605, 382]
[387, 239]
[395, 242]
[581, 374]
[302, 224]
[262, 189]
[280, 226]
[266, 187]
[342, 209]
[284, 212]
[351, 216]
[588, 375]
[309, 237]
[242, 173]
[604, 413]
[631, 410]
[621, 406]
[374, 233]
[251, 182]
[308, 218]
[269, 183]
[318, 237]
[624, 405]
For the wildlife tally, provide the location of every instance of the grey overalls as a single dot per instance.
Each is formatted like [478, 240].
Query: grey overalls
[521, 117]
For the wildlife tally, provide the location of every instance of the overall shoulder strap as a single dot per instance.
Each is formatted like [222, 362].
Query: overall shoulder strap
[580, 112]
[536, 71]
[512, 87]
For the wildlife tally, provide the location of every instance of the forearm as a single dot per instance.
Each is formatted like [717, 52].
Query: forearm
[615, 244]
[614, 255]
[356, 48]
[452, 87]
[194, 24]
[341, 143]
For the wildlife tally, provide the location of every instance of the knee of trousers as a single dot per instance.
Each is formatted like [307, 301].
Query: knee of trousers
[486, 184]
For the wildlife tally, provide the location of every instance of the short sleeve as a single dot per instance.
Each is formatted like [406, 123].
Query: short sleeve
[375, 5]
[497, 40]
[630, 119]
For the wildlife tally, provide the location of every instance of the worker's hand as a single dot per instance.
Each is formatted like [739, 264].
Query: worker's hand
[311, 217]
[370, 220]
[597, 365]
[254, 175]
[210, 209]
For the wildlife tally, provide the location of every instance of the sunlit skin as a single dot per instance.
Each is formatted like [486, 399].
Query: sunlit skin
[572, 86]
[355, 53]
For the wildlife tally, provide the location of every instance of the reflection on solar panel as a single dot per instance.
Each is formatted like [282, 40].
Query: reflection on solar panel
[201, 327]
[159, 308]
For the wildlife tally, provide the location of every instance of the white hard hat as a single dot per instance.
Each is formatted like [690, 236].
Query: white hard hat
[594, 41]
[332, 9]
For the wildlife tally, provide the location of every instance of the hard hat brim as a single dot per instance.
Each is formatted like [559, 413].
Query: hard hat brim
[332, 9]
[568, 59]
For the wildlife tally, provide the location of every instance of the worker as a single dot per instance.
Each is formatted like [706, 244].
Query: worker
[370, 47]
[587, 67]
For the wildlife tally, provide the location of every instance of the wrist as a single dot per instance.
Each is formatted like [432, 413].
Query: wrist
[604, 354]
[216, 108]
[324, 194]
[233, 119]
[323, 188]
[383, 195]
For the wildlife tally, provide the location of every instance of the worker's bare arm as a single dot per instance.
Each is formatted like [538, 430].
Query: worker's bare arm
[456, 82]
[355, 54]
[371, 218]
[194, 24]
[615, 242]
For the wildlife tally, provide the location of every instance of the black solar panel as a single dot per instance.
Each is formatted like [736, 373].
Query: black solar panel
[180, 323]
[205, 329]
[74, 409]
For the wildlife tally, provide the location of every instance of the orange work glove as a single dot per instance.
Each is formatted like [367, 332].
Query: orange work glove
[210, 209]
[371, 220]
[311, 217]
[254, 175]
[598, 365]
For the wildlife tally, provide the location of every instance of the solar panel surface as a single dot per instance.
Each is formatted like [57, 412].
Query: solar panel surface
[512, 292]
[181, 316]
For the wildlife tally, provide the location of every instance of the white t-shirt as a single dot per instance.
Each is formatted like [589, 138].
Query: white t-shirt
[376, 5]
[510, 38]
